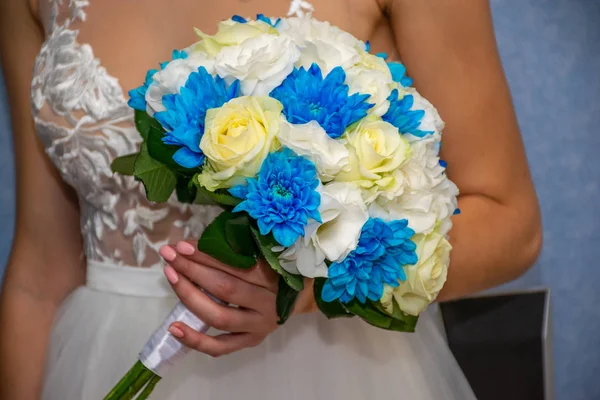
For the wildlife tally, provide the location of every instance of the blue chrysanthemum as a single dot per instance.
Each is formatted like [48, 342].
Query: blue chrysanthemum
[398, 71]
[184, 118]
[307, 96]
[259, 17]
[283, 196]
[402, 117]
[383, 249]
[137, 96]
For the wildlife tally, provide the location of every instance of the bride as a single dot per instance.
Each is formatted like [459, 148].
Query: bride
[85, 285]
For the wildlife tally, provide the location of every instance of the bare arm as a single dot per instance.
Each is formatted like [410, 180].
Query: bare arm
[46, 263]
[450, 50]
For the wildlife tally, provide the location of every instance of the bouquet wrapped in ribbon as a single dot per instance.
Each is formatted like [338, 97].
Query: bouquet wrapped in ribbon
[323, 158]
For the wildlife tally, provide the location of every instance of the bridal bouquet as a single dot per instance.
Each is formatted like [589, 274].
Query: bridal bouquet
[323, 158]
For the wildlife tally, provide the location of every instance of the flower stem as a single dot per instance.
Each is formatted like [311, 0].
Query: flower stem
[125, 382]
[149, 388]
[139, 383]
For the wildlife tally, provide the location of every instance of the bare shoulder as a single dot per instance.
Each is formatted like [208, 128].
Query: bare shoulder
[450, 50]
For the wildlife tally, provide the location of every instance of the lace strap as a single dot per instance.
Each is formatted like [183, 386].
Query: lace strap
[300, 8]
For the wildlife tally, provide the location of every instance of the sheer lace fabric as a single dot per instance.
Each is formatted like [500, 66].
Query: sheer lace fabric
[82, 117]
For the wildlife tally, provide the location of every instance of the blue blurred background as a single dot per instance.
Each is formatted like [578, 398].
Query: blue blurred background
[551, 54]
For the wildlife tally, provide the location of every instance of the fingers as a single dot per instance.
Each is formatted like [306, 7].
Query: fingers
[261, 275]
[219, 316]
[214, 346]
[222, 285]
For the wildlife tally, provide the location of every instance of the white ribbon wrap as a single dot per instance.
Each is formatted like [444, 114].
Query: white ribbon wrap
[163, 351]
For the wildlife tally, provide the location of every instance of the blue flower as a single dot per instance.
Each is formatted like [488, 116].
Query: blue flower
[283, 197]
[402, 117]
[263, 18]
[184, 118]
[137, 96]
[399, 74]
[307, 96]
[259, 17]
[383, 249]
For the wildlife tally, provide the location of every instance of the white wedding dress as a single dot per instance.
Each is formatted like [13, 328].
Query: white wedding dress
[84, 122]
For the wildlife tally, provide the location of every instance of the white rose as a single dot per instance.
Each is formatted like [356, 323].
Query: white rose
[423, 280]
[373, 82]
[425, 210]
[377, 151]
[310, 140]
[260, 63]
[231, 33]
[431, 122]
[171, 79]
[322, 43]
[343, 213]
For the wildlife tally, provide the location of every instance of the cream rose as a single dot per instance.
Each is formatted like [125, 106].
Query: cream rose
[237, 138]
[423, 280]
[231, 33]
[377, 151]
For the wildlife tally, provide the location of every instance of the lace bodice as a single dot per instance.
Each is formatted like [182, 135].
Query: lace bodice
[82, 117]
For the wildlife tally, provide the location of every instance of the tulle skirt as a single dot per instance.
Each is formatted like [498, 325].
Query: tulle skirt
[99, 332]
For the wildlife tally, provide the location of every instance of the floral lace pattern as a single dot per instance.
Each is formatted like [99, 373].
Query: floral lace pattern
[82, 118]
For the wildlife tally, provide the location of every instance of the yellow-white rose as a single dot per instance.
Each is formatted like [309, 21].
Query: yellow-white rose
[423, 280]
[377, 151]
[231, 33]
[237, 138]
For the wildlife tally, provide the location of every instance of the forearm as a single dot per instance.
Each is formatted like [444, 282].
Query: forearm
[492, 244]
[25, 323]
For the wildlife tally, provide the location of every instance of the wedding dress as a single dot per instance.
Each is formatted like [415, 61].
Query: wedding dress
[81, 115]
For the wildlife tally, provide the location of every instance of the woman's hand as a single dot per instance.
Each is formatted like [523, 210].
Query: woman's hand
[253, 292]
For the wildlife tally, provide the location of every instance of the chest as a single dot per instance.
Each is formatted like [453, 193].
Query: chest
[131, 37]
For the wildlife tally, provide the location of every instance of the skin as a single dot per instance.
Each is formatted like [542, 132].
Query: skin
[449, 49]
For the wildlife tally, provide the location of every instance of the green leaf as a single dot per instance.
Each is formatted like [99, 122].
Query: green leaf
[219, 197]
[214, 243]
[124, 165]
[158, 180]
[265, 244]
[239, 236]
[143, 123]
[333, 309]
[370, 314]
[397, 314]
[186, 193]
[286, 298]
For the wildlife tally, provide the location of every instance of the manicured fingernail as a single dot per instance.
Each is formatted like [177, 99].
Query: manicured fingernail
[175, 331]
[171, 275]
[167, 253]
[185, 248]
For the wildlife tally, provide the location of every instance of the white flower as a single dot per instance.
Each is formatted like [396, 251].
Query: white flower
[232, 33]
[424, 209]
[310, 140]
[171, 79]
[431, 122]
[260, 63]
[322, 43]
[373, 82]
[423, 280]
[343, 213]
